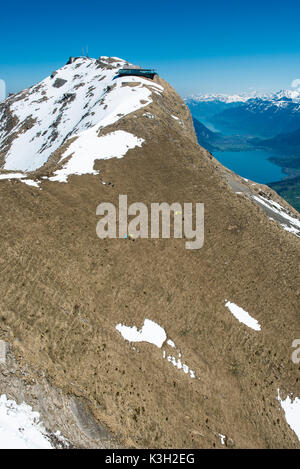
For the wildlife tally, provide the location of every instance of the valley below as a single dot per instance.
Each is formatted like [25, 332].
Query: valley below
[256, 149]
[251, 164]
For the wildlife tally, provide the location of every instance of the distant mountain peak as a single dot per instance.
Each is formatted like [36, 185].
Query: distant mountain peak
[293, 95]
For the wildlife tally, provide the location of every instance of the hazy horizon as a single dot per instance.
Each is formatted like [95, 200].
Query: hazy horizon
[32, 74]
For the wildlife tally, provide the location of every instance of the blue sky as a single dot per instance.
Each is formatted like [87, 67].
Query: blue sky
[198, 46]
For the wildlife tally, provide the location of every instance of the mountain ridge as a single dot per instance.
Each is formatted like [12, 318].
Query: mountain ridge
[257, 116]
[65, 294]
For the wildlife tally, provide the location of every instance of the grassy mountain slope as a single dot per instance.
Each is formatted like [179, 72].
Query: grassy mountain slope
[63, 291]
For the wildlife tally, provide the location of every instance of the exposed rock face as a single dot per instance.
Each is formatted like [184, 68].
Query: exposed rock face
[68, 415]
[63, 291]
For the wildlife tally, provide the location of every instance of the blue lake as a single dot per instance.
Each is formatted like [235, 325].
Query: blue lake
[252, 165]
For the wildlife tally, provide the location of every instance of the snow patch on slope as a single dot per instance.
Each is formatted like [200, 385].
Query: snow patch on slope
[151, 332]
[89, 147]
[20, 427]
[291, 409]
[21, 177]
[10, 176]
[242, 316]
[289, 223]
[177, 362]
[31, 182]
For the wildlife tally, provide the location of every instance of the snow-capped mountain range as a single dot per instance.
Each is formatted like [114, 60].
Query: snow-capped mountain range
[293, 95]
[255, 114]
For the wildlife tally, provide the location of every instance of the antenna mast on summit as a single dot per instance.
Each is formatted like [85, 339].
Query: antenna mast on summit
[87, 51]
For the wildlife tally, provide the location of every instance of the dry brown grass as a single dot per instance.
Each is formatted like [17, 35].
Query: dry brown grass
[63, 291]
